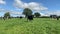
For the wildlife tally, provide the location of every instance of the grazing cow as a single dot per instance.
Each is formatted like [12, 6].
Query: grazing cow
[21, 17]
[53, 16]
[30, 17]
[4, 18]
[57, 18]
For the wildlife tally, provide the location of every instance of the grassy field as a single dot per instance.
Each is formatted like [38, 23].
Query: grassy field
[37, 26]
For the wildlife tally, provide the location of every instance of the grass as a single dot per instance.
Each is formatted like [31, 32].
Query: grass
[37, 26]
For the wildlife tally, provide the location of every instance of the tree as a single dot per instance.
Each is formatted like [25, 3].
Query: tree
[7, 15]
[27, 12]
[37, 14]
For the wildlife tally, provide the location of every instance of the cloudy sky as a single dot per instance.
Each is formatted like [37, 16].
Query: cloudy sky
[44, 7]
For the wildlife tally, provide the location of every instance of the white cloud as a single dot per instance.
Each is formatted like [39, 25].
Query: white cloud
[2, 10]
[45, 13]
[16, 13]
[11, 11]
[2, 2]
[42, 14]
[32, 5]
[57, 12]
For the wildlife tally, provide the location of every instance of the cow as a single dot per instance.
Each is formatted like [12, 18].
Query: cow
[4, 18]
[30, 17]
[57, 18]
[54, 16]
[21, 17]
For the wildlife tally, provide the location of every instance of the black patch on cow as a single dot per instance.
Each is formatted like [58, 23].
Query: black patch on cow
[30, 17]
[21, 17]
[57, 18]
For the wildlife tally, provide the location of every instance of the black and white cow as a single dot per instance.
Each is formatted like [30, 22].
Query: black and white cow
[54, 16]
[30, 17]
[57, 17]
[21, 17]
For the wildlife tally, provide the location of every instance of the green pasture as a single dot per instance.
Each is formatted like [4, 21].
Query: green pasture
[37, 26]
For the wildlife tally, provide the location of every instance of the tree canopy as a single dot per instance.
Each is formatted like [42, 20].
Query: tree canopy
[7, 15]
[27, 12]
[37, 14]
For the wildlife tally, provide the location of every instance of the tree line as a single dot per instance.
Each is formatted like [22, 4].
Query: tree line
[26, 12]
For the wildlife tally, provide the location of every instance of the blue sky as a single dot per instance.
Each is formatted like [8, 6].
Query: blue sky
[45, 7]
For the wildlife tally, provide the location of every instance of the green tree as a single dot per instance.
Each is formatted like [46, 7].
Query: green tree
[37, 14]
[7, 15]
[27, 12]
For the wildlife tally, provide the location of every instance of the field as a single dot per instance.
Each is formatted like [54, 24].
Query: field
[37, 26]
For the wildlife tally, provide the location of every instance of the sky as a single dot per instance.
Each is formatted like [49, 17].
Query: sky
[16, 7]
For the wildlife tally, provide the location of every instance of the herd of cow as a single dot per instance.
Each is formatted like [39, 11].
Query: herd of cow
[30, 17]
